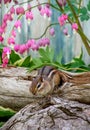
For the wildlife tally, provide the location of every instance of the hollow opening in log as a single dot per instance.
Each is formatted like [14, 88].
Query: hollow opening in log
[47, 105]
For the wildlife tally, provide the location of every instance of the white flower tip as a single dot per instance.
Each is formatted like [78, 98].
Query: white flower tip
[28, 21]
[3, 35]
[68, 36]
[12, 15]
[12, 46]
[74, 31]
[49, 19]
[8, 55]
[45, 16]
[19, 29]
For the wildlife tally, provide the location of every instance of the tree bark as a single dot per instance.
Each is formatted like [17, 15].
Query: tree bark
[75, 86]
[14, 87]
[53, 112]
[15, 83]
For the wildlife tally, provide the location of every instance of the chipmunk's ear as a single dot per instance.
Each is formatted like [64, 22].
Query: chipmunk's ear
[34, 77]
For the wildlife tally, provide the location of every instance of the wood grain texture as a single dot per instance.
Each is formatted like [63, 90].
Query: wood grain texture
[14, 87]
[15, 83]
[54, 114]
[75, 86]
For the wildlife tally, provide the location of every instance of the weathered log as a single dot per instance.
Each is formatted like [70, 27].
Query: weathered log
[15, 83]
[75, 86]
[14, 87]
[51, 114]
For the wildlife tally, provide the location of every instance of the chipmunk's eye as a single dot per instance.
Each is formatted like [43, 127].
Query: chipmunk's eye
[38, 85]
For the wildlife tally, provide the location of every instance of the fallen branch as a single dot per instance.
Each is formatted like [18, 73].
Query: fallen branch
[52, 114]
[15, 83]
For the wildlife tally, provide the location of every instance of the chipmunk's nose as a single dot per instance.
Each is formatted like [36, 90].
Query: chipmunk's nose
[35, 91]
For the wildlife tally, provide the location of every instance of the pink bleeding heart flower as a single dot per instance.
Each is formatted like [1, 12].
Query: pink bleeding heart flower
[11, 40]
[22, 48]
[62, 2]
[1, 30]
[35, 47]
[16, 47]
[5, 56]
[65, 31]
[75, 26]
[7, 17]
[6, 50]
[20, 10]
[12, 10]
[29, 44]
[18, 25]
[13, 33]
[52, 31]
[46, 12]
[7, 1]
[45, 41]
[16, 1]
[29, 16]
[4, 25]
[1, 39]
[5, 62]
[62, 19]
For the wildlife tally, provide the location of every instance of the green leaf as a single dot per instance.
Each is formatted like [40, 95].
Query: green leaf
[88, 6]
[36, 63]
[14, 57]
[87, 68]
[71, 15]
[75, 8]
[50, 53]
[6, 112]
[76, 63]
[0, 55]
[1, 124]
[26, 62]
[19, 62]
[83, 10]
[73, 1]
[34, 67]
[43, 54]
[84, 14]
[46, 55]
[1, 49]
[67, 8]
[84, 17]
[59, 58]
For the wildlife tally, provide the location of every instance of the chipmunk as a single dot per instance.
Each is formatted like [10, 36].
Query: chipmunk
[45, 82]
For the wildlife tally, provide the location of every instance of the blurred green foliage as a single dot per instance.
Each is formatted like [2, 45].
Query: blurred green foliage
[5, 114]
